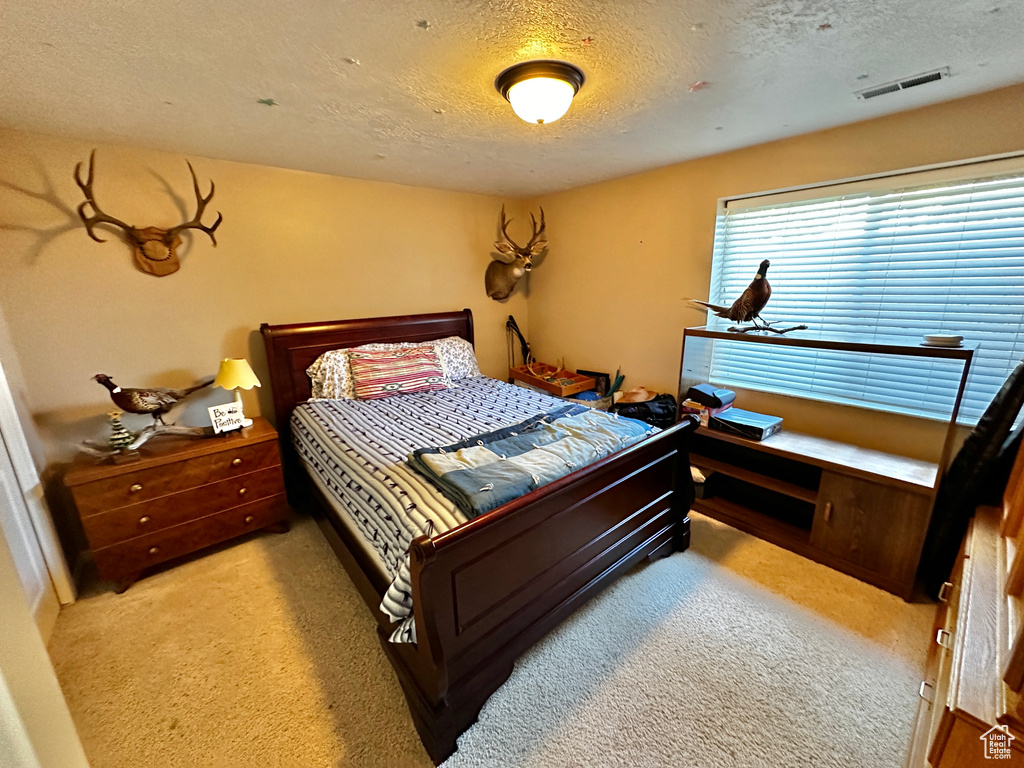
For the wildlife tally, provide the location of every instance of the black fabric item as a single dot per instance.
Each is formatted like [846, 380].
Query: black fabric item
[711, 396]
[658, 412]
[970, 480]
[1002, 466]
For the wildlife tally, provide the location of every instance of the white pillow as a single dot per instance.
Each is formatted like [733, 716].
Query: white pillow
[330, 377]
[458, 357]
[332, 380]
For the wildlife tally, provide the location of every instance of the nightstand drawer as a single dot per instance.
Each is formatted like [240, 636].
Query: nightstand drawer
[144, 551]
[144, 484]
[125, 523]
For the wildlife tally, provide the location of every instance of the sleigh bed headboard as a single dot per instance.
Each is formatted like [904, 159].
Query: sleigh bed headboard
[291, 349]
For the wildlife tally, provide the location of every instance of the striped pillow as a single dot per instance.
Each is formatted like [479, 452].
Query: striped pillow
[387, 372]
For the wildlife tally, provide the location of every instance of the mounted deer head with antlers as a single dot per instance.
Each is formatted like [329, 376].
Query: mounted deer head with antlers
[502, 276]
[155, 249]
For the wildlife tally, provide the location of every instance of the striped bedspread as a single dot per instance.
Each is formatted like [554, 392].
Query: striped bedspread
[357, 449]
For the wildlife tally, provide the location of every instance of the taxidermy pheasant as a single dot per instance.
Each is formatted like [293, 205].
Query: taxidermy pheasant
[747, 308]
[155, 401]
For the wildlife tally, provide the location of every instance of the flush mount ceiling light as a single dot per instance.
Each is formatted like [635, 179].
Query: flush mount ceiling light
[540, 91]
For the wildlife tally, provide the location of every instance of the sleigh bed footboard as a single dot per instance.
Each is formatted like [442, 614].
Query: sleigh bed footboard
[485, 592]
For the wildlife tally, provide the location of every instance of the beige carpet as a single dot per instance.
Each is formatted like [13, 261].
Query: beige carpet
[735, 653]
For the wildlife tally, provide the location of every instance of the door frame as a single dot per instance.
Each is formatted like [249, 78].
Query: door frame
[21, 475]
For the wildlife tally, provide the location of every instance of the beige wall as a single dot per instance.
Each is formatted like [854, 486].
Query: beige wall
[293, 247]
[624, 252]
[298, 246]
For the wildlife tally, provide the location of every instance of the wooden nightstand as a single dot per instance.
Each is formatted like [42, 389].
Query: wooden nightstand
[181, 496]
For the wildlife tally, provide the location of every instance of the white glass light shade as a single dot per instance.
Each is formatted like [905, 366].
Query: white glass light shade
[541, 99]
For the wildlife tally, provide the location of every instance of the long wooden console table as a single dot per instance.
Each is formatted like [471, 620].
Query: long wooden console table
[861, 511]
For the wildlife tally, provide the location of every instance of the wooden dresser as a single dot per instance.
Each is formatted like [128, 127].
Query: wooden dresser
[181, 496]
[971, 713]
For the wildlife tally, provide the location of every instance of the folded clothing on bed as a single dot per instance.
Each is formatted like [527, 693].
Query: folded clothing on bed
[493, 468]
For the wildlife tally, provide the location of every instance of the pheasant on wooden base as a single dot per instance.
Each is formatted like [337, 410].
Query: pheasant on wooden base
[747, 308]
[155, 401]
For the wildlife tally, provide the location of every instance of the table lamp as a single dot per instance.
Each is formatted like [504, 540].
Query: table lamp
[235, 373]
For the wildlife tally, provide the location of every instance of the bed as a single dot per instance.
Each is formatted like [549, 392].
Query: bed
[484, 591]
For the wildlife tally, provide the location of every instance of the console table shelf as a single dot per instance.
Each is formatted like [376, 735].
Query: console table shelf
[861, 511]
[761, 525]
[809, 495]
[831, 454]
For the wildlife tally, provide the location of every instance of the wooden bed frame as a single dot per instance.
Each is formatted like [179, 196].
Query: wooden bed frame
[486, 591]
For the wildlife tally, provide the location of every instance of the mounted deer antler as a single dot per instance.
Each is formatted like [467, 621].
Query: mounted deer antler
[502, 276]
[155, 249]
[201, 203]
[98, 216]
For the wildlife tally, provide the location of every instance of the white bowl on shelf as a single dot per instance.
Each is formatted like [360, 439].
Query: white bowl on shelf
[943, 340]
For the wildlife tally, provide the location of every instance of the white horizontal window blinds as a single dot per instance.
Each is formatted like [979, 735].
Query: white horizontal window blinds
[942, 258]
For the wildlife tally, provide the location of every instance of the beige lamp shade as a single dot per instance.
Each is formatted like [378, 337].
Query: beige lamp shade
[235, 373]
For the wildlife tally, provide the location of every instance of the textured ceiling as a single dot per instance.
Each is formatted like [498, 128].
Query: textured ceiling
[403, 90]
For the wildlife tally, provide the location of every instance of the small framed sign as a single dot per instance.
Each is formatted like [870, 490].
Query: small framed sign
[226, 417]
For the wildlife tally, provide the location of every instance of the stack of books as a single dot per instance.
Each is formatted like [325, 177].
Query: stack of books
[706, 401]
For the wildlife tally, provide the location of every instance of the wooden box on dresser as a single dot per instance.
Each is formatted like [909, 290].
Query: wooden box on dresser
[182, 495]
[971, 712]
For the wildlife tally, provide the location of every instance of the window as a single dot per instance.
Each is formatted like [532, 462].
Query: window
[939, 251]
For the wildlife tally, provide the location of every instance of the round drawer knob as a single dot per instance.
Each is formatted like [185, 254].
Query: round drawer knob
[249, 518]
[144, 519]
[154, 550]
[242, 491]
[235, 462]
[135, 488]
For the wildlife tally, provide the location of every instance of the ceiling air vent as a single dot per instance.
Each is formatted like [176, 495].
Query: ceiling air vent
[902, 85]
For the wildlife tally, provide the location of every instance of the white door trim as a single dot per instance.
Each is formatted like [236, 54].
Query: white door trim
[16, 528]
[26, 478]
